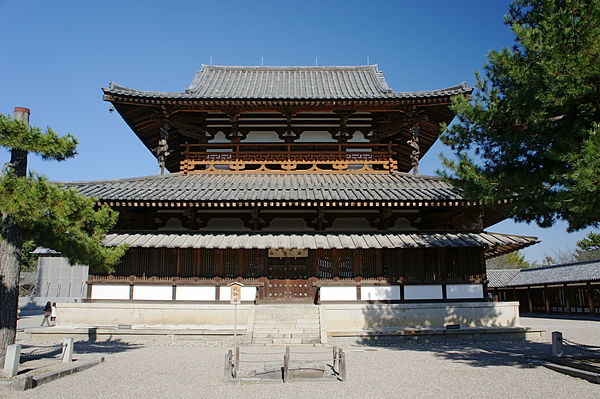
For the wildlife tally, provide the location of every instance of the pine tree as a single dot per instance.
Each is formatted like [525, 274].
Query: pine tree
[53, 217]
[532, 130]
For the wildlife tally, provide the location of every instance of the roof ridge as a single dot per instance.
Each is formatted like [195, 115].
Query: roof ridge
[581, 262]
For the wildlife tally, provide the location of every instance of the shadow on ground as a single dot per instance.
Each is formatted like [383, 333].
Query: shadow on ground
[474, 349]
[32, 352]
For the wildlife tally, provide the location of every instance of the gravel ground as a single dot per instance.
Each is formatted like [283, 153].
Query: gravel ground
[170, 369]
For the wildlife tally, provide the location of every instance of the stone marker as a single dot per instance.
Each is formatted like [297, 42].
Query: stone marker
[557, 348]
[67, 350]
[12, 360]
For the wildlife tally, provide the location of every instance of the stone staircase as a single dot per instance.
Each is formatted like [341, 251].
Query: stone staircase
[286, 324]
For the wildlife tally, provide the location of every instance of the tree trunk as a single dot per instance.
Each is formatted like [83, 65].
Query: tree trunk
[10, 256]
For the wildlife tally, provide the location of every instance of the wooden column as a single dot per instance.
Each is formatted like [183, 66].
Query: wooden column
[590, 298]
[356, 263]
[379, 262]
[567, 298]
[529, 300]
[335, 258]
[547, 300]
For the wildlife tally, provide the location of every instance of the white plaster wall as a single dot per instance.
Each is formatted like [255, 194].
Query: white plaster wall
[291, 224]
[402, 224]
[464, 291]
[173, 224]
[153, 292]
[225, 224]
[262, 137]
[140, 314]
[315, 137]
[248, 293]
[350, 224]
[361, 316]
[380, 293]
[183, 293]
[423, 292]
[102, 291]
[337, 294]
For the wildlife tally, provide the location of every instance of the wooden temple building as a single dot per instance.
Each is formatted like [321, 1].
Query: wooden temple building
[569, 288]
[296, 182]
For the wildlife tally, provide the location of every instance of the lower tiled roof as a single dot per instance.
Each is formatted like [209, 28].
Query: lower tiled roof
[495, 243]
[500, 277]
[555, 274]
[271, 187]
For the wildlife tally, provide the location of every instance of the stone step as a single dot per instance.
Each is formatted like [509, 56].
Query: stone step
[286, 325]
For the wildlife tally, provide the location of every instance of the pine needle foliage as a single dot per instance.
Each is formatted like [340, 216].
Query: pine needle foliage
[531, 130]
[60, 219]
[50, 215]
[49, 145]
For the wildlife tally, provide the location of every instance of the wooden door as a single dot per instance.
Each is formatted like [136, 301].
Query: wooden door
[288, 280]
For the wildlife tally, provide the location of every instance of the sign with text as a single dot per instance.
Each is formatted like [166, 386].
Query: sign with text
[288, 253]
[236, 293]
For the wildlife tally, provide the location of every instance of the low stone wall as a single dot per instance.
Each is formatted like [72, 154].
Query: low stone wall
[167, 315]
[362, 317]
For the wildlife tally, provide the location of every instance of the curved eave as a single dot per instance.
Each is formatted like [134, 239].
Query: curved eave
[494, 244]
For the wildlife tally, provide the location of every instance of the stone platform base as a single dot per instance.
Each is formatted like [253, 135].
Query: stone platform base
[332, 322]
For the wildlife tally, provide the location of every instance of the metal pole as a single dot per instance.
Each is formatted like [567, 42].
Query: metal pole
[235, 326]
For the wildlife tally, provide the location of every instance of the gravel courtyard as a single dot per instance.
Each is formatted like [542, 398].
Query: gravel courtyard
[166, 369]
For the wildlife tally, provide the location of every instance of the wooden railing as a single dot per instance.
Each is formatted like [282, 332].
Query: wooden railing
[288, 157]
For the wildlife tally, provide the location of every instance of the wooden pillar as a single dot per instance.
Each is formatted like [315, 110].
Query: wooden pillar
[567, 298]
[547, 300]
[335, 258]
[529, 300]
[590, 298]
[220, 263]
[379, 262]
[262, 257]
[356, 263]
[241, 272]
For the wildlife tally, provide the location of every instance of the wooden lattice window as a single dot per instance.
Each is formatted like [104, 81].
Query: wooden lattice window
[369, 264]
[345, 263]
[325, 263]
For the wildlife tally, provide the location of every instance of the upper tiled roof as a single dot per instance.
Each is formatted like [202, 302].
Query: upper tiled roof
[288, 82]
[565, 273]
[272, 187]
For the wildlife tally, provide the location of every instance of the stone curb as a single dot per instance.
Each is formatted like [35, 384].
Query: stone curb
[25, 382]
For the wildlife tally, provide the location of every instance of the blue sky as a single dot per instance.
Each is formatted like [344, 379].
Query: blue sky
[57, 56]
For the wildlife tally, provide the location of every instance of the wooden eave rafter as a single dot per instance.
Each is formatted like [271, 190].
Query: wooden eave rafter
[275, 105]
[288, 204]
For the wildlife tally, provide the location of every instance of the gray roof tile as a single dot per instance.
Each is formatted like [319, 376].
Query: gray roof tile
[555, 274]
[500, 277]
[267, 187]
[288, 82]
[316, 240]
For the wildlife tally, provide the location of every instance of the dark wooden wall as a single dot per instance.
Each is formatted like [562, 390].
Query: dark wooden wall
[431, 264]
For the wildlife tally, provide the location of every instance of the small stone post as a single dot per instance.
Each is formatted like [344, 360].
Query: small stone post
[343, 365]
[286, 363]
[557, 348]
[12, 360]
[67, 350]
[227, 375]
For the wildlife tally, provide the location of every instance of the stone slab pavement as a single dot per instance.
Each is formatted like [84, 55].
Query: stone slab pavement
[186, 369]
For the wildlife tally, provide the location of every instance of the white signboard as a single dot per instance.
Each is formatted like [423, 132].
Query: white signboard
[236, 294]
